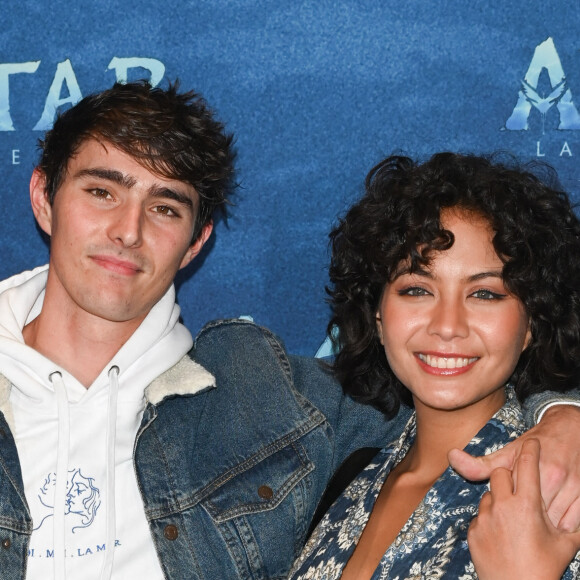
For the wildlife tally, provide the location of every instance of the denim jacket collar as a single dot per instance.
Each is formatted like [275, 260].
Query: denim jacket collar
[185, 378]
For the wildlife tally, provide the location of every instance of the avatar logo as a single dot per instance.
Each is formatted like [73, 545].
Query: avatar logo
[64, 89]
[542, 94]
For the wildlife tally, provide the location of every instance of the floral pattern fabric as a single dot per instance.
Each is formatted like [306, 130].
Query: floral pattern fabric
[433, 542]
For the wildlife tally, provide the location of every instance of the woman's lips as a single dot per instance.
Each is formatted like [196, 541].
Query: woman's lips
[446, 364]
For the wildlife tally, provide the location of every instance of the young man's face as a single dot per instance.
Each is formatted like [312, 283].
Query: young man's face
[119, 233]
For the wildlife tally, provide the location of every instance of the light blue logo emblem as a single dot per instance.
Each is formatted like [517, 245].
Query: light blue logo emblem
[542, 96]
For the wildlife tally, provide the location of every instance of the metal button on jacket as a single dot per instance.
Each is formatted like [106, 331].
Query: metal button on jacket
[265, 492]
[171, 532]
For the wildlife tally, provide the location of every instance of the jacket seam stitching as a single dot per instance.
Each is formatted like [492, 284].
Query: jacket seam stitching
[177, 506]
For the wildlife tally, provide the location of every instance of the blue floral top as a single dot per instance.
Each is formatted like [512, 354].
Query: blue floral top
[433, 542]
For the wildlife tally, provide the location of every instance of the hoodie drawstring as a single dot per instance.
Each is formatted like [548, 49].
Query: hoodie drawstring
[60, 492]
[107, 568]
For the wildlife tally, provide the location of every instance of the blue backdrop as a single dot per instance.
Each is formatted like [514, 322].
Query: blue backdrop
[316, 93]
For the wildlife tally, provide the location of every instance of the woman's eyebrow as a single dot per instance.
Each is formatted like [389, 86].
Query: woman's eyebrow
[427, 274]
[487, 274]
[406, 271]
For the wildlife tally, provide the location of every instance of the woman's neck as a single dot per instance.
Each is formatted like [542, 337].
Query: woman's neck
[439, 431]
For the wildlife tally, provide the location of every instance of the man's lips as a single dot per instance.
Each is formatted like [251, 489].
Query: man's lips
[446, 364]
[113, 264]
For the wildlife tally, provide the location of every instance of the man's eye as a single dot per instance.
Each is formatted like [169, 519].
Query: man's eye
[413, 291]
[98, 192]
[487, 295]
[166, 210]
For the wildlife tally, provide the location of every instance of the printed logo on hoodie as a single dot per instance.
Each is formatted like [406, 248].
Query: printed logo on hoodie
[83, 499]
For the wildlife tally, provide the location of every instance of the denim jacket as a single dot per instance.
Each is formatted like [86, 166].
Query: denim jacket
[230, 477]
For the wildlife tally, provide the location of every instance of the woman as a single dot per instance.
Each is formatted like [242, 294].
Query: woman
[455, 289]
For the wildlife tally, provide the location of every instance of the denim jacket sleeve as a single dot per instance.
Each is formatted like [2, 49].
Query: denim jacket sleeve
[231, 477]
[535, 405]
[351, 425]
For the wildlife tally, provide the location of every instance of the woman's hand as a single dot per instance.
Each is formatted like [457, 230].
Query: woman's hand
[513, 536]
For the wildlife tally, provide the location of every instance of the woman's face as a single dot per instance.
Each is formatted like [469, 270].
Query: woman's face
[452, 333]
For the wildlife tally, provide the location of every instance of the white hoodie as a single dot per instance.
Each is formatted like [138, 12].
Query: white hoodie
[75, 444]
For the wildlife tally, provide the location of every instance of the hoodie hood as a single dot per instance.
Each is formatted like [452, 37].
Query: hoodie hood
[76, 444]
[21, 299]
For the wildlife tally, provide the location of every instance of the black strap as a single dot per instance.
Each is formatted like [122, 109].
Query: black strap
[347, 471]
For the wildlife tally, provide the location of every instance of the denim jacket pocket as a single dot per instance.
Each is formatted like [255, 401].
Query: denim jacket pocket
[259, 484]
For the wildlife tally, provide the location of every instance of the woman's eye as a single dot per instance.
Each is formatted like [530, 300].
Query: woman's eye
[487, 295]
[413, 291]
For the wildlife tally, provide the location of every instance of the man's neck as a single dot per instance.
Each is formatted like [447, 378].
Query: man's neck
[79, 342]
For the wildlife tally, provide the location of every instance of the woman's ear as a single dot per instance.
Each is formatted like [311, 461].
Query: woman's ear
[379, 322]
[528, 338]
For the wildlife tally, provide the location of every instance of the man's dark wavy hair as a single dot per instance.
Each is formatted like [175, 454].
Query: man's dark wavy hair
[173, 134]
[536, 235]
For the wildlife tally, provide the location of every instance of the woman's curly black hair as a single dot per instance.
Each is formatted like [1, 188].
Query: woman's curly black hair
[536, 235]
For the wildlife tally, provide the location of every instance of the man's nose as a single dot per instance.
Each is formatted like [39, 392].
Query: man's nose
[127, 225]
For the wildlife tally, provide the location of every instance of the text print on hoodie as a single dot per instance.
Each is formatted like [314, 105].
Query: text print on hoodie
[75, 444]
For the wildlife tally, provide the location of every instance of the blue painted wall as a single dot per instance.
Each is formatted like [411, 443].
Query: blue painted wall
[316, 92]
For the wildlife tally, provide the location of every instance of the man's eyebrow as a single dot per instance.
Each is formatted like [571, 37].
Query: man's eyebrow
[109, 174]
[169, 193]
[128, 181]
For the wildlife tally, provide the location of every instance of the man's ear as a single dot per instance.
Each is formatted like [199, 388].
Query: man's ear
[197, 245]
[39, 200]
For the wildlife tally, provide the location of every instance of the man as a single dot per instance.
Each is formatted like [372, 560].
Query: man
[120, 457]
[82, 340]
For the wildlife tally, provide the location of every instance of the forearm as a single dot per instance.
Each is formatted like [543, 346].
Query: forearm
[536, 405]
